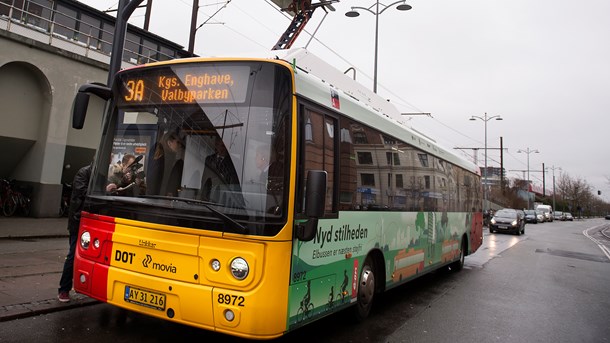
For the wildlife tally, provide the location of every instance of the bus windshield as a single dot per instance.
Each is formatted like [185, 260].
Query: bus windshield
[195, 144]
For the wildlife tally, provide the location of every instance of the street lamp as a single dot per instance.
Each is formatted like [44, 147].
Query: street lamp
[124, 11]
[553, 168]
[528, 151]
[354, 13]
[194, 28]
[485, 119]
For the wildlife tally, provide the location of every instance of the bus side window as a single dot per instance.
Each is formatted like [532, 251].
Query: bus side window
[319, 151]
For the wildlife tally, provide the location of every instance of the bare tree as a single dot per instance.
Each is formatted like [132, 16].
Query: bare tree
[575, 193]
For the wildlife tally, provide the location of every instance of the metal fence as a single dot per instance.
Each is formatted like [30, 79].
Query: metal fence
[59, 24]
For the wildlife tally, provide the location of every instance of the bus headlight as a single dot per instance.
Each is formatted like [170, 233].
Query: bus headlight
[215, 265]
[239, 268]
[85, 240]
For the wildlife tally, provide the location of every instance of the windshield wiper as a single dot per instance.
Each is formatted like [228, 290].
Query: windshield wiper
[207, 204]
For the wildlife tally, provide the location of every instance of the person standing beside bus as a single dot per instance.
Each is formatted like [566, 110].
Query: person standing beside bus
[77, 199]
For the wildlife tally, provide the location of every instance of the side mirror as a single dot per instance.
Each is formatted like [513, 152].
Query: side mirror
[79, 110]
[315, 198]
[315, 195]
[81, 102]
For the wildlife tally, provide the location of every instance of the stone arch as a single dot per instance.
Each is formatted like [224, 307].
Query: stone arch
[26, 98]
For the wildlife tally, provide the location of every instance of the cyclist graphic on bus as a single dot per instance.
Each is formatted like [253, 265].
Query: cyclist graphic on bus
[343, 293]
[305, 310]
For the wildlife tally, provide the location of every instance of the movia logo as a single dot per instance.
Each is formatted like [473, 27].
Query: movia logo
[146, 261]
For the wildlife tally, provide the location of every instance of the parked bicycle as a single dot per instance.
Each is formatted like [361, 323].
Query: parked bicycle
[5, 195]
[13, 200]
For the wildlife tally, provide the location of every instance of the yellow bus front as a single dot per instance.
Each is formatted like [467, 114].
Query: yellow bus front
[217, 283]
[187, 215]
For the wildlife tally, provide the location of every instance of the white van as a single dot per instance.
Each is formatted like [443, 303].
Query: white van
[547, 210]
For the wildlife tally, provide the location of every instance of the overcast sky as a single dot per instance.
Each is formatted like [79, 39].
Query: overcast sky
[542, 65]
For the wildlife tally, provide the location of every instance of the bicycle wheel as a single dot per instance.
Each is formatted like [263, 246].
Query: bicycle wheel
[63, 208]
[10, 205]
[300, 314]
[26, 205]
[309, 311]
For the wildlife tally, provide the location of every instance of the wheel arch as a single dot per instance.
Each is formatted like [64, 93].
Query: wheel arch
[378, 259]
[466, 239]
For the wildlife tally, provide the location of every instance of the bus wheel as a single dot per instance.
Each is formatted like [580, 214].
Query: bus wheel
[366, 289]
[459, 264]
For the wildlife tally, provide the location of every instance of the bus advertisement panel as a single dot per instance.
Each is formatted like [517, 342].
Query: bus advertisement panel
[325, 270]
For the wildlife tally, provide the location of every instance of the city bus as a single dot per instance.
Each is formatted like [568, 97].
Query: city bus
[251, 196]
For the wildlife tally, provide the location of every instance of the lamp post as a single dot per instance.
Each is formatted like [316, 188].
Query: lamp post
[354, 13]
[485, 119]
[553, 168]
[528, 151]
[194, 28]
[124, 11]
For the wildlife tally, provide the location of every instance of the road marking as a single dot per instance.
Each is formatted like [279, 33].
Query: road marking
[605, 249]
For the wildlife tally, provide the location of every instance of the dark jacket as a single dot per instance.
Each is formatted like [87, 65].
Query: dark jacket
[77, 199]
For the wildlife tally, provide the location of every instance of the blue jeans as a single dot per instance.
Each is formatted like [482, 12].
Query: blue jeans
[65, 283]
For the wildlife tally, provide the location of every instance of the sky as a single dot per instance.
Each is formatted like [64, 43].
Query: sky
[542, 65]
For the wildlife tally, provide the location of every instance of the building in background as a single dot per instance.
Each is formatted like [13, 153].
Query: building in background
[49, 49]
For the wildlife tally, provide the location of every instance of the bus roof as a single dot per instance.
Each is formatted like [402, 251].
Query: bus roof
[315, 78]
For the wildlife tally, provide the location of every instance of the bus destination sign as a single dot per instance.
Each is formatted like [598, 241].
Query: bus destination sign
[185, 84]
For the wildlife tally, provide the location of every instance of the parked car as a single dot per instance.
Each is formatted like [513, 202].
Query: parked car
[508, 220]
[607, 216]
[540, 216]
[558, 215]
[531, 216]
[568, 216]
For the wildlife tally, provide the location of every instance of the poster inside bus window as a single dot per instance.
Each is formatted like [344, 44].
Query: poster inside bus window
[135, 145]
[185, 84]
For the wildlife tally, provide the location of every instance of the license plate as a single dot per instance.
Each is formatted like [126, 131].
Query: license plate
[503, 227]
[145, 298]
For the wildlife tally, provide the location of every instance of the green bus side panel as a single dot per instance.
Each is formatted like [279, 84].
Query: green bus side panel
[325, 271]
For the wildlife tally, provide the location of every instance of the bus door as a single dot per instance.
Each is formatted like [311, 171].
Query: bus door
[316, 273]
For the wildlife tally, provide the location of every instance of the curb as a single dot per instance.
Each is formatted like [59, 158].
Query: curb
[20, 311]
[9, 237]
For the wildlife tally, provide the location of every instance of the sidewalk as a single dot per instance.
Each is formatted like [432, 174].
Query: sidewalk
[19, 227]
[31, 292]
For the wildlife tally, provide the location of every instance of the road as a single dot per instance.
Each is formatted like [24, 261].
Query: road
[551, 284]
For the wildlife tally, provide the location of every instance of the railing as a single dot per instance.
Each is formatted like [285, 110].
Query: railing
[57, 25]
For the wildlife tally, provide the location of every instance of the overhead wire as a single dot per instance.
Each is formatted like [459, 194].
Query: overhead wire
[398, 99]
[362, 72]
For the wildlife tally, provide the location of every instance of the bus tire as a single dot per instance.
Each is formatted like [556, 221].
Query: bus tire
[366, 289]
[459, 264]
